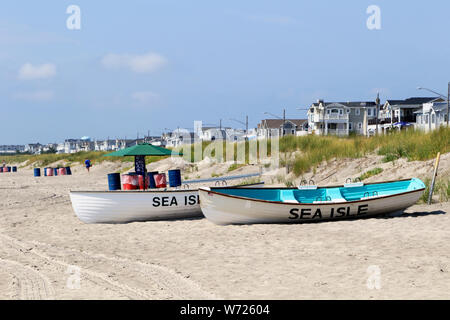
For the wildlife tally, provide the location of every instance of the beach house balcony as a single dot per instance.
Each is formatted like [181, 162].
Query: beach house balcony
[336, 117]
[331, 117]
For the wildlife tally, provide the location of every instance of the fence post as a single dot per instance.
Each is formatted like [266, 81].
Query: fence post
[430, 195]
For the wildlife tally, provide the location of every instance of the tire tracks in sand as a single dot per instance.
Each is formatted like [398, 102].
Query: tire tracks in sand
[167, 280]
[32, 285]
[59, 268]
[153, 282]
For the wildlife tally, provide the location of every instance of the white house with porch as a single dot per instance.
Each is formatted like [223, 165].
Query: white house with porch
[340, 118]
[432, 116]
[403, 112]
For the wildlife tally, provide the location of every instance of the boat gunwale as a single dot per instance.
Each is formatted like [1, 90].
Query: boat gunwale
[159, 191]
[318, 187]
[312, 204]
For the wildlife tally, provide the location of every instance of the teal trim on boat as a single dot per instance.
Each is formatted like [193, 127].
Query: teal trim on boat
[348, 193]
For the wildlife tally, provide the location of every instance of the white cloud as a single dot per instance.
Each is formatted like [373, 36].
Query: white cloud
[43, 71]
[34, 96]
[145, 97]
[146, 63]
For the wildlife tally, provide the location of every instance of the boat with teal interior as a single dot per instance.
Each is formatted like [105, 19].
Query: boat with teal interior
[308, 203]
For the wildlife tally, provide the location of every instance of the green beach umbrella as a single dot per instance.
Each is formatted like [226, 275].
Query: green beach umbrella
[139, 151]
[143, 149]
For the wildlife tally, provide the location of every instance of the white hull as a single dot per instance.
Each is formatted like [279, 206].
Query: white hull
[128, 206]
[225, 209]
[121, 207]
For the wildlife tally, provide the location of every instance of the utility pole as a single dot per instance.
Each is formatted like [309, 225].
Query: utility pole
[392, 116]
[246, 123]
[376, 115]
[448, 103]
[323, 115]
[243, 123]
[284, 123]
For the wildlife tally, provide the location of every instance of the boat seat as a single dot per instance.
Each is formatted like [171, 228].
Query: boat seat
[367, 195]
[331, 201]
[310, 187]
[288, 196]
[335, 195]
[317, 201]
[370, 197]
[353, 184]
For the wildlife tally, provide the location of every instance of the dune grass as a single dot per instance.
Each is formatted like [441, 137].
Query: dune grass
[410, 144]
[215, 175]
[441, 189]
[249, 181]
[235, 166]
[312, 149]
[370, 173]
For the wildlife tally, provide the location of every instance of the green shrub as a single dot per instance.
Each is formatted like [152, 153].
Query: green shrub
[424, 197]
[370, 173]
[441, 189]
[289, 183]
[235, 166]
[248, 181]
[389, 157]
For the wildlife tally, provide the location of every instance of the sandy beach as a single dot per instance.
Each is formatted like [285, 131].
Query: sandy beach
[44, 247]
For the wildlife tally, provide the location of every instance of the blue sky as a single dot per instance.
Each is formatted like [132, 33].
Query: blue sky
[148, 65]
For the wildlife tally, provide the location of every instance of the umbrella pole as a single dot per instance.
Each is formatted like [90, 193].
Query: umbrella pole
[136, 169]
[145, 175]
[144, 169]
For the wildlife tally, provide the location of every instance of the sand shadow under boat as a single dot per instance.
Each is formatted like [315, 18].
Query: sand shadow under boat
[403, 214]
[392, 215]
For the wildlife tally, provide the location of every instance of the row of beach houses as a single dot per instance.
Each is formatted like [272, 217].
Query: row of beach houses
[366, 118]
[323, 118]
